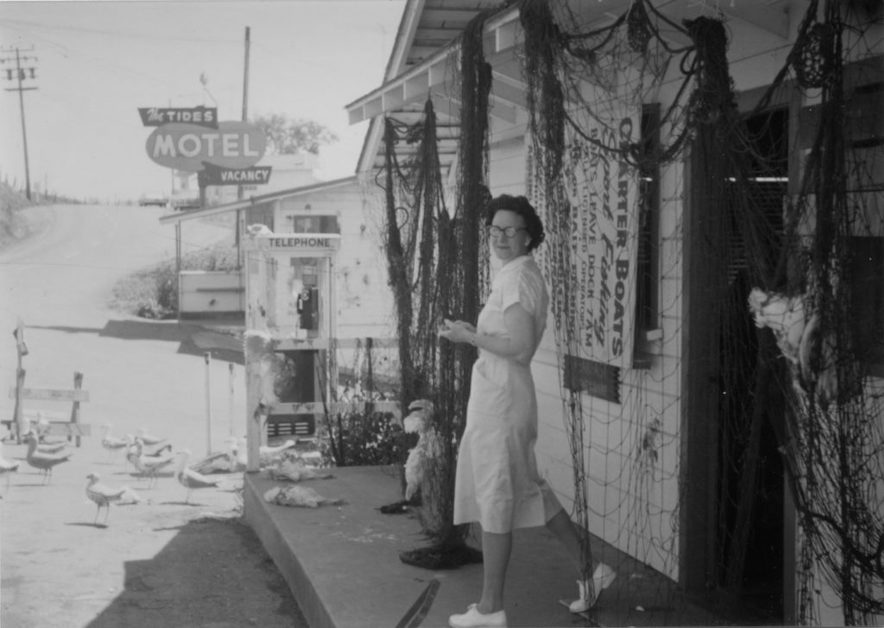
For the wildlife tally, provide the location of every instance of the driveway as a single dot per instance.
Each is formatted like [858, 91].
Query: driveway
[163, 561]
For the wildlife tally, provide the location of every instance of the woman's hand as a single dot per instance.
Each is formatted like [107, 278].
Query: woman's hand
[457, 331]
[517, 343]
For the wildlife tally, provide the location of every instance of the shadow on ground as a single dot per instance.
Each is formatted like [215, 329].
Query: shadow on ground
[213, 572]
[193, 338]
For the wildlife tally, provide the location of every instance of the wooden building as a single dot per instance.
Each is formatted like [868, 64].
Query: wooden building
[690, 464]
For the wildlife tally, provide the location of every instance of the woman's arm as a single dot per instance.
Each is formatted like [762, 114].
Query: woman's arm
[518, 340]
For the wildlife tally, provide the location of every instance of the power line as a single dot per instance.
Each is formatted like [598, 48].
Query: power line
[23, 71]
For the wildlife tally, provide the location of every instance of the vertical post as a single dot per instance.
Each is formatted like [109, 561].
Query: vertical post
[75, 408]
[178, 264]
[24, 135]
[255, 418]
[208, 356]
[18, 412]
[331, 323]
[178, 247]
[21, 350]
[245, 118]
[230, 382]
[245, 97]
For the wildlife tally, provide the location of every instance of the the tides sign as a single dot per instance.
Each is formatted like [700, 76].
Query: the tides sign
[202, 143]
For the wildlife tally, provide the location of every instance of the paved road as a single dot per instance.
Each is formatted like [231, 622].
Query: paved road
[161, 562]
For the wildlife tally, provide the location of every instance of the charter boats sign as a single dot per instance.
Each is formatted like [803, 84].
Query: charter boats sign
[601, 186]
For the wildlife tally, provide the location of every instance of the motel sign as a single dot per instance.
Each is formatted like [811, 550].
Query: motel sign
[186, 146]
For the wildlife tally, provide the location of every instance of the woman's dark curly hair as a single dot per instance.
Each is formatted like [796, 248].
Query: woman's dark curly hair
[521, 206]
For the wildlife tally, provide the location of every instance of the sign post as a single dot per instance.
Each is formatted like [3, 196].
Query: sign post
[21, 350]
[208, 356]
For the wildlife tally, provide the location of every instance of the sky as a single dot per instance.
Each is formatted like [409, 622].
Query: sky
[97, 62]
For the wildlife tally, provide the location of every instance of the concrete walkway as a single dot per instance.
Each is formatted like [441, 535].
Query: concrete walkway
[342, 564]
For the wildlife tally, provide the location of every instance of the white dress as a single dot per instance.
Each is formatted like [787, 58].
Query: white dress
[497, 483]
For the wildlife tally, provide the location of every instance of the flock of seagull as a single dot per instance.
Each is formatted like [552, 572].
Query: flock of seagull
[149, 456]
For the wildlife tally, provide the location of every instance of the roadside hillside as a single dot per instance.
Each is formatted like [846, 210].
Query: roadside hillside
[19, 217]
[13, 223]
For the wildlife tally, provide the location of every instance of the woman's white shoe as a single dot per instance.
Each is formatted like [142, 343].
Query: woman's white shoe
[474, 619]
[590, 590]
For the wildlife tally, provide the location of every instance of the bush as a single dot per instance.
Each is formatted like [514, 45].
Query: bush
[153, 293]
[360, 438]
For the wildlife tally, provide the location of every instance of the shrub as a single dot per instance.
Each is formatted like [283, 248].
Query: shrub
[153, 292]
[365, 438]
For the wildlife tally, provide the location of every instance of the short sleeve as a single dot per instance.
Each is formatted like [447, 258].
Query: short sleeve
[523, 288]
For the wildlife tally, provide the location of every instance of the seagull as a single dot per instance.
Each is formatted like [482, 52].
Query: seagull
[103, 495]
[43, 430]
[427, 449]
[40, 430]
[297, 495]
[239, 447]
[269, 455]
[160, 450]
[220, 462]
[7, 467]
[113, 443]
[190, 479]
[51, 448]
[149, 439]
[43, 461]
[295, 471]
[147, 465]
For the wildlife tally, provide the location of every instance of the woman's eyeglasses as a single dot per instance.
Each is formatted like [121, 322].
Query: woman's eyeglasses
[495, 232]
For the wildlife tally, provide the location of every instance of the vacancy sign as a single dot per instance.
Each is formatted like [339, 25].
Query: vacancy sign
[189, 146]
[213, 175]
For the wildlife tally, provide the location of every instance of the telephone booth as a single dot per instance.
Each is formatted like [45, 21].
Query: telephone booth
[290, 305]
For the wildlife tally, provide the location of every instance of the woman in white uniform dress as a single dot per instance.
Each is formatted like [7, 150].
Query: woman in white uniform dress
[497, 483]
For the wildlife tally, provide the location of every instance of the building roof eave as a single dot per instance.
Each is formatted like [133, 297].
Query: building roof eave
[417, 82]
[245, 203]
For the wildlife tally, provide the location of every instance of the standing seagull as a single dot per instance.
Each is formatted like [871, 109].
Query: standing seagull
[51, 448]
[43, 461]
[190, 479]
[113, 443]
[103, 495]
[39, 431]
[150, 439]
[148, 466]
[7, 467]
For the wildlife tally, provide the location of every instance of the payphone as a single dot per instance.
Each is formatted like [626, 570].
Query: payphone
[290, 300]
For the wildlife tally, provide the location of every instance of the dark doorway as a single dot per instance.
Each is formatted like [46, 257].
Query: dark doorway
[734, 491]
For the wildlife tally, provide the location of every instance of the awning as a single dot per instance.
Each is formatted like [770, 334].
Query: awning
[402, 98]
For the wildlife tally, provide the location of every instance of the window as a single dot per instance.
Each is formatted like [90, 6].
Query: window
[312, 223]
[865, 181]
[648, 272]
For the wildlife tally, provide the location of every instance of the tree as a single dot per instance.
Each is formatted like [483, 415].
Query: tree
[289, 137]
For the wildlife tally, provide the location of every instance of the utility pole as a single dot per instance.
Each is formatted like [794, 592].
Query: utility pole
[245, 118]
[20, 74]
[245, 90]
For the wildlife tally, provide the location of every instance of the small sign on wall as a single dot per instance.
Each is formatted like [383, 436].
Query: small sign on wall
[593, 378]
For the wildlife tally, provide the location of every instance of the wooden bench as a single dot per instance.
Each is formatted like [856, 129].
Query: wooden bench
[62, 424]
